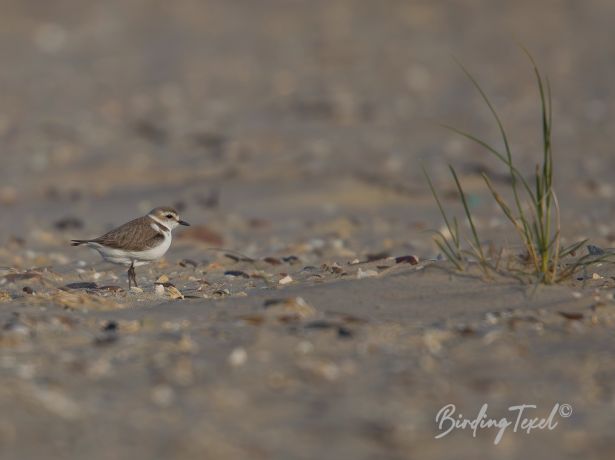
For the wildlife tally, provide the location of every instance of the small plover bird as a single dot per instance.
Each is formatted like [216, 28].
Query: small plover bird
[137, 242]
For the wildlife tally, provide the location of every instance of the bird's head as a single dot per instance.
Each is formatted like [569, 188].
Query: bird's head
[167, 217]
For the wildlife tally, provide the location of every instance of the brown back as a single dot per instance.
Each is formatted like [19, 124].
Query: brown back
[135, 235]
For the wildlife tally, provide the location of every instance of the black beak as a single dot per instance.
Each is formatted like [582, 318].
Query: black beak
[183, 222]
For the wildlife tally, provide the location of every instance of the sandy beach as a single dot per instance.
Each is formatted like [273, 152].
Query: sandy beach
[307, 312]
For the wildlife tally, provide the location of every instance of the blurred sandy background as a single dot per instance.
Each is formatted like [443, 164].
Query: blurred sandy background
[292, 128]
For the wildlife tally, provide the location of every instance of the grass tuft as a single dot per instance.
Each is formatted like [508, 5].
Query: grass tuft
[534, 212]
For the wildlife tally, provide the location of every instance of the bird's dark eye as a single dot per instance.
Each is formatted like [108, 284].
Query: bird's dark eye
[169, 216]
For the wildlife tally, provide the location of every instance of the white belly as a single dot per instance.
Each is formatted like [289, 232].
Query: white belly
[122, 257]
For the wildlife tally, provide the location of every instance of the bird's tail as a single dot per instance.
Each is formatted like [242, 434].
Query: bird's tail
[78, 242]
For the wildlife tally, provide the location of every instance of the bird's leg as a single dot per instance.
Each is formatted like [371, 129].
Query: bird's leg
[132, 275]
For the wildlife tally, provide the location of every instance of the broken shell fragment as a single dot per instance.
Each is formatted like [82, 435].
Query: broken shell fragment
[174, 293]
[286, 280]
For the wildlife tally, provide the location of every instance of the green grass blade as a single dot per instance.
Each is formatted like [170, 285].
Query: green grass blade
[499, 155]
[449, 255]
[454, 250]
[440, 207]
[468, 213]
[504, 136]
[568, 250]
[491, 109]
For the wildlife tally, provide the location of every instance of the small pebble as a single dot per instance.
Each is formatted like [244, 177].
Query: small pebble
[272, 261]
[238, 357]
[412, 260]
[366, 273]
[159, 290]
[163, 395]
[110, 326]
[68, 223]
[162, 279]
[237, 273]
[188, 262]
[286, 280]
[304, 347]
[8, 195]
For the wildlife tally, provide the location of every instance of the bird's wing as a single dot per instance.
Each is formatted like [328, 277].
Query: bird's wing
[138, 234]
